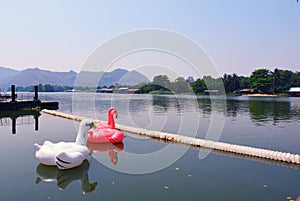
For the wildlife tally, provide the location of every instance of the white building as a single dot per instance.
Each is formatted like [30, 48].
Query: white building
[294, 91]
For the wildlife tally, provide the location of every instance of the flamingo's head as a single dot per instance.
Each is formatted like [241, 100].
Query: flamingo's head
[114, 111]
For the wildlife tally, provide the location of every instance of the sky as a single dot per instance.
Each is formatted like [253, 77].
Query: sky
[238, 35]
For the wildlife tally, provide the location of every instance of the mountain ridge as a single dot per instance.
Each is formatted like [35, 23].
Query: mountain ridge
[35, 76]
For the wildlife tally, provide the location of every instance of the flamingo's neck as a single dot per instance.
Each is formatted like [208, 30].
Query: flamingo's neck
[112, 120]
[109, 115]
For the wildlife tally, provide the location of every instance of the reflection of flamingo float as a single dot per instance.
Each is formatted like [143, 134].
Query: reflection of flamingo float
[112, 149]
[65, 177]
[106, 132]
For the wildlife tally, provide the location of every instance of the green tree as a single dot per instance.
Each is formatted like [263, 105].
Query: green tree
[245, 82]
[180, 86]
[213, 83]
[231, 82]
[199, 86]
[296, 82]
[260, 80]
[276, 80]
[161, 80]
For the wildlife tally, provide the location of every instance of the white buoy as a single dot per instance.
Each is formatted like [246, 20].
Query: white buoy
[238, 149]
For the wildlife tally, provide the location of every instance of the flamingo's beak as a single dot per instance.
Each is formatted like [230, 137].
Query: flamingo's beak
[116, 113]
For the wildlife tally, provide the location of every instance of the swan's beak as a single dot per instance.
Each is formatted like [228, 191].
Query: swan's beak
[91, 125]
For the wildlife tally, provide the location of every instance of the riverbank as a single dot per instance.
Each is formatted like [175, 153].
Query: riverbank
[261, 95]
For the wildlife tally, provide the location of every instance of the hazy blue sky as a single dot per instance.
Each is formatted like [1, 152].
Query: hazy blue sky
[239, 35]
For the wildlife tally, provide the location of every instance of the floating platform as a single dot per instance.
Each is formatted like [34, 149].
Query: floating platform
[24, 104]
[11, 103]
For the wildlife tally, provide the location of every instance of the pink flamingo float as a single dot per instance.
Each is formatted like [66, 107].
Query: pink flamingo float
[112, 111]
[106, 132]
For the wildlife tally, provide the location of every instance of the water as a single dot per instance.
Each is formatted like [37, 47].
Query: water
[271, 123]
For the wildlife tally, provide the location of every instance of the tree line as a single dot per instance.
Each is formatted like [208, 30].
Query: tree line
[263, 81]
[161, 84]
[45, 88]
[260, 81]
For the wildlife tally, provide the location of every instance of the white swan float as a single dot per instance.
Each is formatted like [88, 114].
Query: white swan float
[66, 155]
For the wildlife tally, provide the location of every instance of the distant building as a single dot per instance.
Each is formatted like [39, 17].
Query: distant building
[122, 90]
[125, 90]
[245, 91]
[190, 79]
[70, 90]
[133, 91]
[211, 92]
[104, 90]
[294, 91]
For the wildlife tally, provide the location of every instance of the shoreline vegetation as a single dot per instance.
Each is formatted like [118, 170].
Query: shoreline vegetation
[261, 83]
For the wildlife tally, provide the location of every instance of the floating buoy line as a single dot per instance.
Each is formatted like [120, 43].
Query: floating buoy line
[269, 155]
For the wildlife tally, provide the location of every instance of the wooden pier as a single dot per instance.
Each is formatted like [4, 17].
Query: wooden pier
[14, 104]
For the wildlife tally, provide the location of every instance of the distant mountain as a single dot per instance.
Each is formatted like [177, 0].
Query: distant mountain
[120, 76]
[7, 72]
[133, 78]
[35, 76]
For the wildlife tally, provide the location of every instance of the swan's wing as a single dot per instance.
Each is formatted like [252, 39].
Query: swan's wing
[47, 142]
[66, 160]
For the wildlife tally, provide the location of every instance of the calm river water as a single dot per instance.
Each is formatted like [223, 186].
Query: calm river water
[147, 169]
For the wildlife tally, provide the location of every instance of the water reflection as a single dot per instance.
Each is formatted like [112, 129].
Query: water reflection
[65, 177]
[259, 110]
[19, 117]
[270, 111]
[161, 103]
[112, 149]
[234, 107]
[135, 107]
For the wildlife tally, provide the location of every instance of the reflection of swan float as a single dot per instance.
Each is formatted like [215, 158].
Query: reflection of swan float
[106, 132]
[112, 149]
[65, 177]
[65, 155]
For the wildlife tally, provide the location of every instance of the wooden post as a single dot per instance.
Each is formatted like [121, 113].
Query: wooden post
[13, 93]
[36, 122]
[14, 125]
[36, 93]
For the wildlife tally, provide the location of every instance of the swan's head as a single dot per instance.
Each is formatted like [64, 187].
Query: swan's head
[84, 127]
[88, 123]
